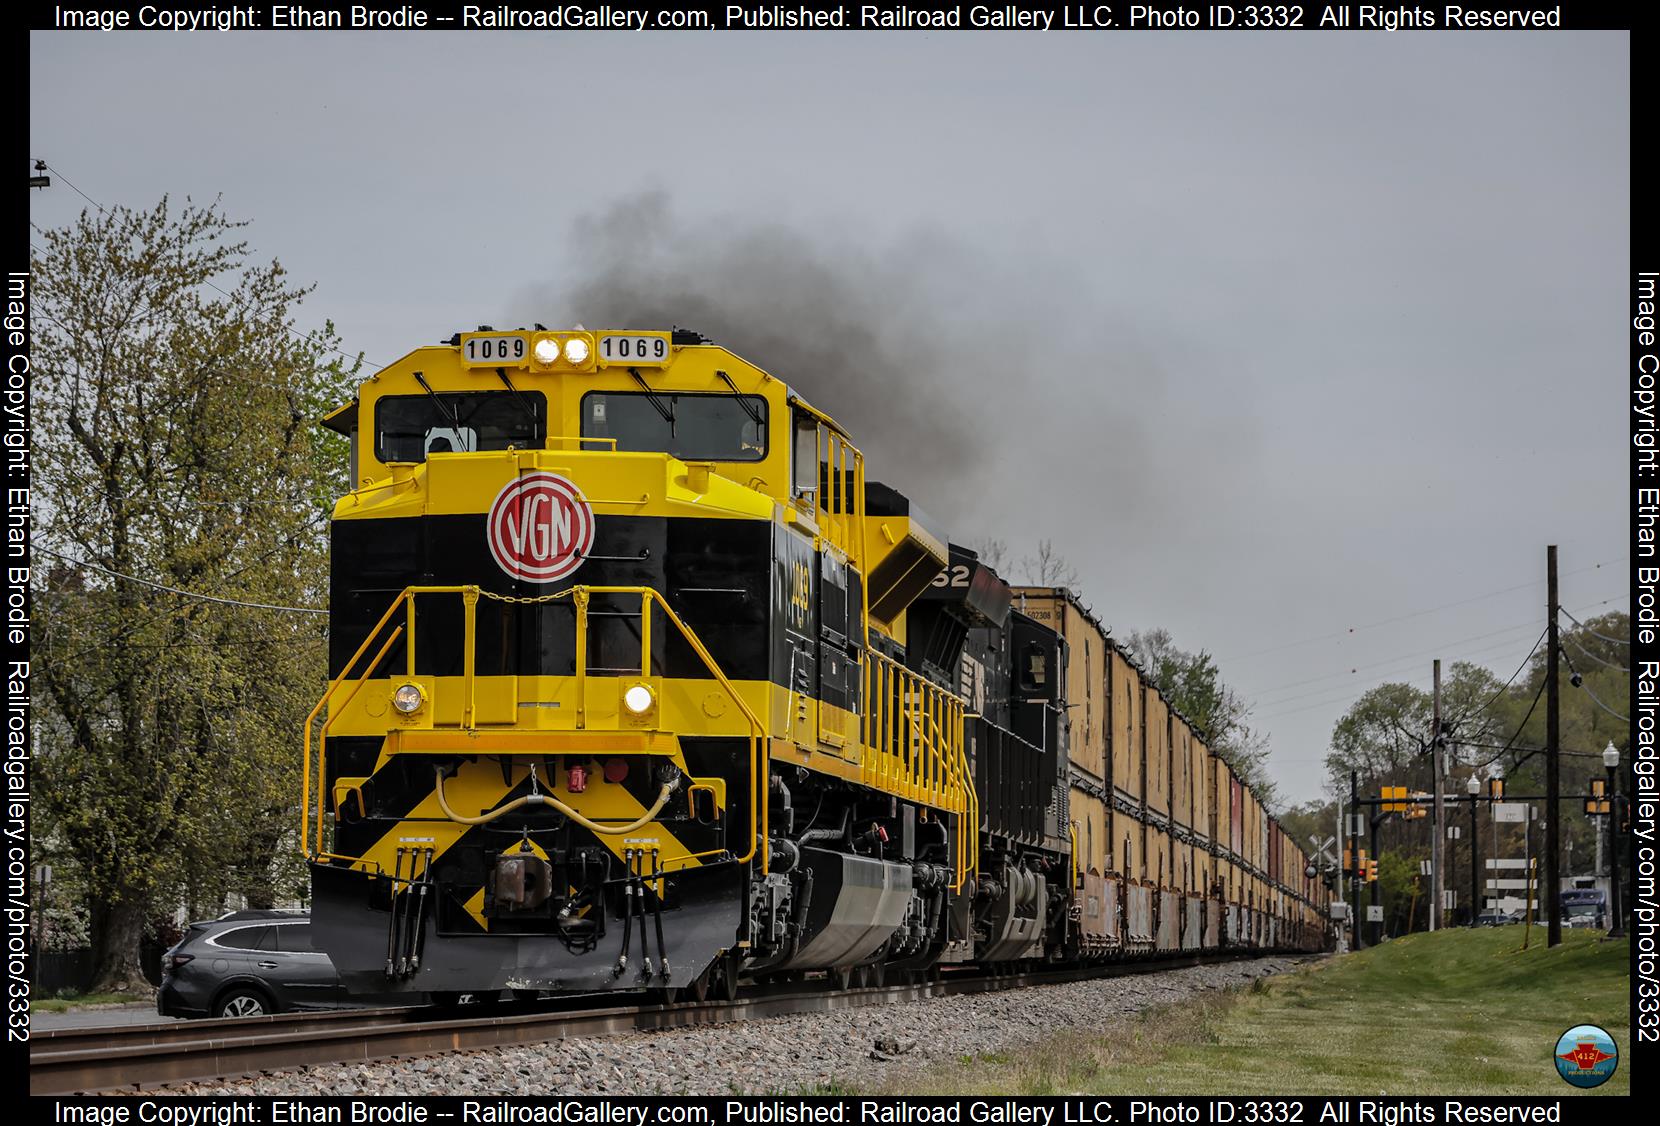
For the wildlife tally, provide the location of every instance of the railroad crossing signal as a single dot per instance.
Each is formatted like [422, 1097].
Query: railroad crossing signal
[1322, 850]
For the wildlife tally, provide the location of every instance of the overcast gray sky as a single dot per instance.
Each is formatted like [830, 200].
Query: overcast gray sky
[1276, 337]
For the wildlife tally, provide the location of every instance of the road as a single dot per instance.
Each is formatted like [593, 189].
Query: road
[98, 1018]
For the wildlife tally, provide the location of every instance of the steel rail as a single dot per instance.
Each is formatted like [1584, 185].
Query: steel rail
[89, 1060]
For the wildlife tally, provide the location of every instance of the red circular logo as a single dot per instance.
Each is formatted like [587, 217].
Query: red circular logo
[540, 528]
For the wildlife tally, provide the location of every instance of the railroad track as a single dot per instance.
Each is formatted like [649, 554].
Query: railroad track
[90, 1060]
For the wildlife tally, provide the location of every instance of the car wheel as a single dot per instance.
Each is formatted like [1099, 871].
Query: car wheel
[243, 1003]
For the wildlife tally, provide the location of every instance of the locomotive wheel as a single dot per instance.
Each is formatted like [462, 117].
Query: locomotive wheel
[698, 990]
[723, 978]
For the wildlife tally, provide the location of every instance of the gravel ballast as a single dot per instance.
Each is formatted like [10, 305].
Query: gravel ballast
[855, 1049]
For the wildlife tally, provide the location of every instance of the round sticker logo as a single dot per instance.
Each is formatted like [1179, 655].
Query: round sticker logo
[1586, 1056]
[540, 528]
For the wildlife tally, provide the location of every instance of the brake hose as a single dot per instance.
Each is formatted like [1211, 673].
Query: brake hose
[645, 819]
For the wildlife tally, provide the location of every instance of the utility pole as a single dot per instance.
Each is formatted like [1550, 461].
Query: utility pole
[1474, 790]
[1437, 843]
[1377, 930]
[1354, 853]
[1553, 746]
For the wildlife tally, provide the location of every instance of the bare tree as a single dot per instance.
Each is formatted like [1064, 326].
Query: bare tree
[1048, 567]
[994, 553]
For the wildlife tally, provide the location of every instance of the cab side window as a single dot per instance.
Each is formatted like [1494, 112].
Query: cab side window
[805, 472]
[1034, 668]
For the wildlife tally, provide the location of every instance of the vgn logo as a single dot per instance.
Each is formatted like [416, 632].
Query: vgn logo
[541, 528]
[1586, 1056]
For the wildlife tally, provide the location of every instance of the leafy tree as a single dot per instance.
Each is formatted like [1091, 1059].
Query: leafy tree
[1495, 727]
[1384, 737]
[174, 402]
[1310, 819]
[1193, 685]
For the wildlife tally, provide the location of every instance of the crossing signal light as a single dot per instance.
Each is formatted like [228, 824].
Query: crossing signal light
[1597, 804]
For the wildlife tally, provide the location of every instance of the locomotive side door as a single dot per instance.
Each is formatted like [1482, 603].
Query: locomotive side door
[795, 633]
[839, 670]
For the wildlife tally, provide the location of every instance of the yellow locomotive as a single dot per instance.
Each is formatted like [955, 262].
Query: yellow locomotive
[597, 599]
[638, 683]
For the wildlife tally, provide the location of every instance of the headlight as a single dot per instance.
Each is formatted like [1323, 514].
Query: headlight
[546, 350]
[408, 698]
[638, 699]
[576, 351]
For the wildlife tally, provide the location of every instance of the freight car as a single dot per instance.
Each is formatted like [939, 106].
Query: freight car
[638, 683]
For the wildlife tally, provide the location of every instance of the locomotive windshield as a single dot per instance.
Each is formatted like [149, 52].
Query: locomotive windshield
[408, 427]
[691, 427]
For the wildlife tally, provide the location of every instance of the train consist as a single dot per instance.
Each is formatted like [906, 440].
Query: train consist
[639, 684]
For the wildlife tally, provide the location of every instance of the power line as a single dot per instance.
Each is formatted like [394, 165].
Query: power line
[175, 590]
[42, 164]
[1347, 688]
[1529, 750]
[1494, 698]
[1379, 664]
[1594, 633]
[1585, 688]
[1421, 613]
[296, 333]
[1356, 695]
[1584, 652]
[1510, 742]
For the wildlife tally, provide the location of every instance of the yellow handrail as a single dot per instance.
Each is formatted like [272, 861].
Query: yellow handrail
[760, 759]
[913, 746]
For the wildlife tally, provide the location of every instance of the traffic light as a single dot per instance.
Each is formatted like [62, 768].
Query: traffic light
[1371, 871]
[1415, 811]
[1495, 789]
[1597, 804]
[1348, 861]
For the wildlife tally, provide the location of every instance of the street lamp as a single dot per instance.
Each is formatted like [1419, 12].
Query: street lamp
[1611, 760]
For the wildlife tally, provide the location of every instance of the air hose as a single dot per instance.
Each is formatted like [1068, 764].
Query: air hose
[645, 819]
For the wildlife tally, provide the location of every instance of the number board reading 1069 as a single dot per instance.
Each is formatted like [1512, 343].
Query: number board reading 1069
[637, 348]
[494, 349]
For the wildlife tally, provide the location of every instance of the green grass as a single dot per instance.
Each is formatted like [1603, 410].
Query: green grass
[1458, 1012]
[68, 1001]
